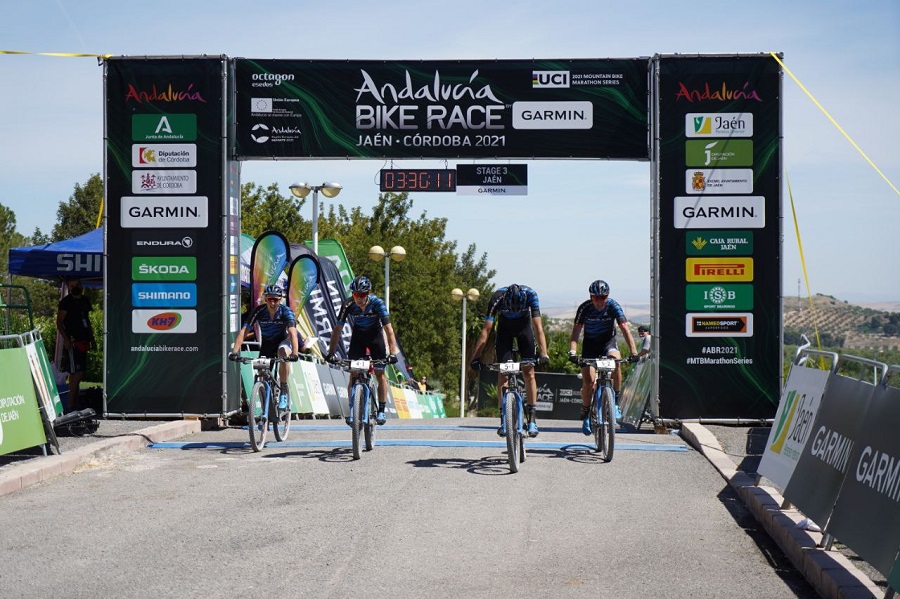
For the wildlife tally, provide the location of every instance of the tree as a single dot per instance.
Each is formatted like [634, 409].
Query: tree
[9, 238]
[81, 213]
[267, 210]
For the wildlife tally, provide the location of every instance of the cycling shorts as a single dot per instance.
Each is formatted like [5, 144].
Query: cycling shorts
[594, 347]
[518, 329]
[270, 348]
[371, 339]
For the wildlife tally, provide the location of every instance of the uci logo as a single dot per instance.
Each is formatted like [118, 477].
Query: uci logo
[550, 79]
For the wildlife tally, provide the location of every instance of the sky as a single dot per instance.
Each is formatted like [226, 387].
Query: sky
[581, 220]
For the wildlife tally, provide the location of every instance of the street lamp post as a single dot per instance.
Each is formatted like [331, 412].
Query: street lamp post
[376, 253]
[329, 190]
[458, 295]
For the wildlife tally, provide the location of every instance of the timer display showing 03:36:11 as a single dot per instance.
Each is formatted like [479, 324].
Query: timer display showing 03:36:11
[424, 179]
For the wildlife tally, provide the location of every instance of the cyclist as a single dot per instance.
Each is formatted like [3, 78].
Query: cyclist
[277, 335]
[517, 311]
[370, 323]
[597, 317]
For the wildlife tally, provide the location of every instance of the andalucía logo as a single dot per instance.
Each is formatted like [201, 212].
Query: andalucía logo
[723, 94]
[167, 94]
[165, 321]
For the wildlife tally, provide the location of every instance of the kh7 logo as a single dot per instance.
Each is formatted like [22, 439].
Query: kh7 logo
[165, 321]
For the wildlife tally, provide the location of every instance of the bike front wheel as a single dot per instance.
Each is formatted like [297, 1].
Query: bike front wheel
[258, 415]
[359, 398]
[608, 403]
[281, 424]
[369, 429]
[511, 417]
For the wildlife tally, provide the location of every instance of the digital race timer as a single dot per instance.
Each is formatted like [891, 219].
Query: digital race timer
[423, 179]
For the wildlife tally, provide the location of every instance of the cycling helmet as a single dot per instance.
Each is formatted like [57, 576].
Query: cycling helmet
[273, 291]
[599, 287]
[361, 285]
[515, 299]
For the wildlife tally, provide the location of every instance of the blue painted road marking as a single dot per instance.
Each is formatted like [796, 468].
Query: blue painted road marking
[418, 443]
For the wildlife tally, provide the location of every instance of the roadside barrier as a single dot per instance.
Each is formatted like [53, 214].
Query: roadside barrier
[835, 451]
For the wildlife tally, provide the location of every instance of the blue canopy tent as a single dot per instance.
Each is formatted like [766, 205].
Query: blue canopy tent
[77, 258]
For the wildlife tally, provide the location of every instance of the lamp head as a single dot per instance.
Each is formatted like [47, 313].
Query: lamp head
[473, 294]
[457, 294]
[376, 253]
[300, 190]
[398, 253]
[330, 189]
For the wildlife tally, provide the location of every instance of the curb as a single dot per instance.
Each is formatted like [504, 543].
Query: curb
[41, 470]
[829, 572]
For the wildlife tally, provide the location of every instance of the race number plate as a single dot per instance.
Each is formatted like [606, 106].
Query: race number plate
[359, 365]
[605, 364]
[509, 367]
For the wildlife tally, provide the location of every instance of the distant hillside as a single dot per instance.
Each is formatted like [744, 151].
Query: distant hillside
[848, 325]
[840, 323]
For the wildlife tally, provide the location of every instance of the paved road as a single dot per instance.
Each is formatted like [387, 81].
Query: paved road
[436, 513]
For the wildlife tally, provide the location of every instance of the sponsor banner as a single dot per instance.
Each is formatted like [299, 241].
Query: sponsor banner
[727, 297]
[317, 394]
[164, 127]
[163, 321]
[719, 153]
[270, 256]
[167, 243]
[792, 424]
[174, 212]
[175, 268]
[164, 295]
[163, 182]
[20, 418]
[442, 109]
[826, 456]
[719, 243]
[44, 384]
[718, 124]
[718, 325]
[716, 181]
[726, 212]
[163, 155]
[718, 269]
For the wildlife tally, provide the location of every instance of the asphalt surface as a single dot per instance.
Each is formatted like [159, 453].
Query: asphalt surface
[435, 519]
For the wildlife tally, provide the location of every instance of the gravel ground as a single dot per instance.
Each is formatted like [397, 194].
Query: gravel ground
[745, 446]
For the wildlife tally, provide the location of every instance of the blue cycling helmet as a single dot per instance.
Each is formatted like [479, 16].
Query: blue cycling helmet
[515, 299]
[361, 284]
[273, 291]
[599, 287]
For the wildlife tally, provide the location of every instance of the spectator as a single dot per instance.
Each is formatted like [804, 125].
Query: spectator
[423, 385]
[74, 326]
[646, 338]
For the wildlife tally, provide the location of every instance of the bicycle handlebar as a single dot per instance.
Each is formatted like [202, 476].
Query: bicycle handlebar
[593, 361]
[502, 367]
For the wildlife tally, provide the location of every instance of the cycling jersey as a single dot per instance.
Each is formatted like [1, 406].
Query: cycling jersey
[373, 317]
[272, 328]
[600, 324]
[495, 306]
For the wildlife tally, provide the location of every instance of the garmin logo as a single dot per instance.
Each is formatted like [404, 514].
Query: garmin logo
[169, 212]
[553, 115]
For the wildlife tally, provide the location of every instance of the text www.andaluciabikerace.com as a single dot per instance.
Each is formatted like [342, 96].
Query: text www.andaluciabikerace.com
[166, 348]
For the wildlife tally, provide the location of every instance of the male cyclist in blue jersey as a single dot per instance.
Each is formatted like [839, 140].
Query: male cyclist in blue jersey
[371, 323]
[278, 336]
[517, 312]
[598, 317]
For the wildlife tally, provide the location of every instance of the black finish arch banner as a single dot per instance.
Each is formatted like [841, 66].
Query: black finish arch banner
[596, 108]
[718, 166]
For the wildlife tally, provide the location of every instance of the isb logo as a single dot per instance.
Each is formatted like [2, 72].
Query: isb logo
[550, 79]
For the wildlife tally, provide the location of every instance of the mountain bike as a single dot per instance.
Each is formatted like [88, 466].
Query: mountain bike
[603, 404]
[262, 405]
[512, 408]
[363, 401]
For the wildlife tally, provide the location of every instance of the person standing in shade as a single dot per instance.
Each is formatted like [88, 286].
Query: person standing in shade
[597, 317]
[74, 326]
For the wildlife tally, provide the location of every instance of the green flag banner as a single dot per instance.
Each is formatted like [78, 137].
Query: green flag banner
[20, 418]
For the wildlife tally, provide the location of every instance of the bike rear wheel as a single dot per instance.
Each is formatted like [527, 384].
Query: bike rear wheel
[258, 415]
[609, 422]
[359, 398]
[369, 429]
[281, 423]
[513, 437]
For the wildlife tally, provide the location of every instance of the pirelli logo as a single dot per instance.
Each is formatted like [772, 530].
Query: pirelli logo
[738, 324]
[720, 269]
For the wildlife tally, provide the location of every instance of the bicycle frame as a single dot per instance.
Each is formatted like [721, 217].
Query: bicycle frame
[362, 408]
[513, 414]
[265, 379]
[602, 415]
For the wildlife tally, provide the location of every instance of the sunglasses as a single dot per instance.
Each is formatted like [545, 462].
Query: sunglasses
[360, 294]
[599, 297]
[273, 299]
